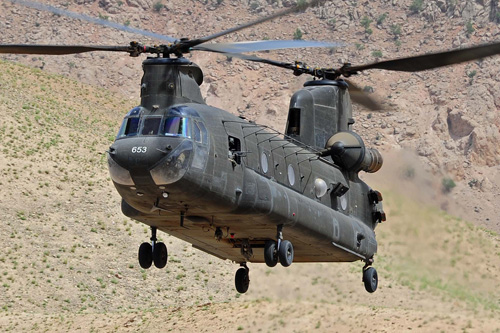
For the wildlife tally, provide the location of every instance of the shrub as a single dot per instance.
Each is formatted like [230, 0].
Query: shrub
[382, 18]
[297, 34]
[417, 6]
[365, 22]
[396, 30]
[469, 28]
[157, 6]
[448, 184]
[377, 54]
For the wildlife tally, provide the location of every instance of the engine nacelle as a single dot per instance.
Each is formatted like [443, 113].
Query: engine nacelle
[348, 151]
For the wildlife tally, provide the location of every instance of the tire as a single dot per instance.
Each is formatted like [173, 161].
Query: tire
[270, 253]
[145, 255]
[370, 279]
[160, 255]
[242, 280]
[285, 253]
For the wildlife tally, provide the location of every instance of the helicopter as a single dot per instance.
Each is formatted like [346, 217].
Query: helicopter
[242, 191]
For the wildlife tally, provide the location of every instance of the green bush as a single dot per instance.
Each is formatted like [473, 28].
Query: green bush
[396, 30]
[382, 18]
[417, 6]
[157, 6]
[448, 184]
[297, 34]
[365, 23]
[377, 54]
[469, 28]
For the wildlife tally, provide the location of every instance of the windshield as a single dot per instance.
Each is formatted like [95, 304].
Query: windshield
[177, 126]
[136, 124]
[151, 125]
[130, 124]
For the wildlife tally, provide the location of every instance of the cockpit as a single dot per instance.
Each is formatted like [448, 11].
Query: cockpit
[164, 143]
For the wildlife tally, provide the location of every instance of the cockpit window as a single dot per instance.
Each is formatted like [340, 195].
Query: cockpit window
[130, 124]
[200, 132]
[177, 126]
[151, 125]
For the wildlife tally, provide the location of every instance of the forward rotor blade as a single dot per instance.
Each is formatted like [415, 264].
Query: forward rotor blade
[429, 61]
[359, 96]
[296, 8]
[263, 45]
[257, 59]
[59, 49]
[94, 20]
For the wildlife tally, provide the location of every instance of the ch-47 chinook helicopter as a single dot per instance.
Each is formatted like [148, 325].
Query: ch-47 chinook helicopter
[238, 190]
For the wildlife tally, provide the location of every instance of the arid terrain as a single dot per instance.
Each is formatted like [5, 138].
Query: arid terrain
[69, 256]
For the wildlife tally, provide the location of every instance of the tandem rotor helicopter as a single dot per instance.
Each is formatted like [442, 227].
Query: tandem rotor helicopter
[233, 188]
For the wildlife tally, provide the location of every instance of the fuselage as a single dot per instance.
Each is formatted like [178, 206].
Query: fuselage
[192, 168]
[222, 183]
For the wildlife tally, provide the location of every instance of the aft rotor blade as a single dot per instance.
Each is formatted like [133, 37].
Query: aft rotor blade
[90, 19]
[294, 9]
[359, 96]
[263, 45]
[429, 61]
[59, 49]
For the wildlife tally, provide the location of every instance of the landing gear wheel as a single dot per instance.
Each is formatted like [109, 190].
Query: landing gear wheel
[160, 255]
[270, 253]
[145, 255]
[370, 278]
[242, 280]
[285, 253]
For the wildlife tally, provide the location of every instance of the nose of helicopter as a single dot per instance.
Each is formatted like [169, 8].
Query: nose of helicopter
[147, 161]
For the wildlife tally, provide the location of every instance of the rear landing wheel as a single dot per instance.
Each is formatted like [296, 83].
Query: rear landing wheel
[270, 253]
[370, 279]
[242, 280]
[145, 255]
[160, 255]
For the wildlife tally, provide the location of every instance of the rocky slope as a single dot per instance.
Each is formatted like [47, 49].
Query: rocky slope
[449, 117]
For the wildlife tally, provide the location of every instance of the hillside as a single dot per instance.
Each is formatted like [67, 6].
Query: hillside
[448, 117]
[69, 256]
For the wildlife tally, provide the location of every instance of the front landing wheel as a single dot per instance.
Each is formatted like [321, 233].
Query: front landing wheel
[370, 278]
[285, 253]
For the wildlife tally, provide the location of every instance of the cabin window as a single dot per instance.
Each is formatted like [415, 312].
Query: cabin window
[151, 125]
[177, 126]
[235, 149]
[293, 122]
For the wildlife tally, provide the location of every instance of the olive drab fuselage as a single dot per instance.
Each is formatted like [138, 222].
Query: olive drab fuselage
[222, 183]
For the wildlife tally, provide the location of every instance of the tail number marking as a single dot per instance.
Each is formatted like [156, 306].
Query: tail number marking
[139, 150]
